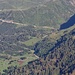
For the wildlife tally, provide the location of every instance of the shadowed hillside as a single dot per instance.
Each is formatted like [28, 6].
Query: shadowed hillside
[69, 23]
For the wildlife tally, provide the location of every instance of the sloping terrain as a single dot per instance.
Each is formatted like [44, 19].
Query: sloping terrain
[16, 42]
[43, 47]
[18, 4]
[45, 13]
[59, 61]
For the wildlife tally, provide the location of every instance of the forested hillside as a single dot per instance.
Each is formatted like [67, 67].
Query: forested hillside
[44, 46]
[59, 61]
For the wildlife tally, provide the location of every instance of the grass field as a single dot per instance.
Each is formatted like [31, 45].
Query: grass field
[16, 61]
[32, 41]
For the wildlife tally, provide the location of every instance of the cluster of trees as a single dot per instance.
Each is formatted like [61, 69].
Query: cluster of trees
[42, 47]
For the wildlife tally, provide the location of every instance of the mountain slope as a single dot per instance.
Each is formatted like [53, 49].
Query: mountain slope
[59, 61]
[18, 4]
[46, 13]
[56, 49]
[43, 47]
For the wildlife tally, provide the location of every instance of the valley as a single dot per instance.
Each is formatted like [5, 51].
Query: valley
[37, 37]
